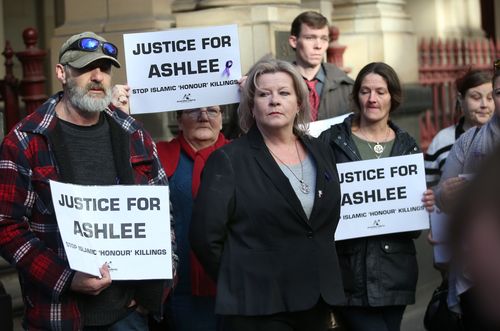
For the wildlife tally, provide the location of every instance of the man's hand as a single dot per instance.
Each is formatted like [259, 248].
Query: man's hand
[242, 81]
[88, 284]
[119, 97]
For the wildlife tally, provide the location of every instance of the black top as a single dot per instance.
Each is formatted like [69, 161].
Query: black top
[378, 270]
[91, 157]
[250, 231]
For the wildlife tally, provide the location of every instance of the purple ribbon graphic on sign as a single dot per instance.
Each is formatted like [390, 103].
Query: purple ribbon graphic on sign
[226, 72]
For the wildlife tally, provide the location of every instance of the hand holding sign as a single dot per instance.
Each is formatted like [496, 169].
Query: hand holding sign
[88, 284]
[439, 237]
[99, 223]
[429, 200]
[383, 196]
[119, 97]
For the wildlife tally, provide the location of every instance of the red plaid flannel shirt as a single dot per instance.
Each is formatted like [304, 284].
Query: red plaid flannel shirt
[29, 236]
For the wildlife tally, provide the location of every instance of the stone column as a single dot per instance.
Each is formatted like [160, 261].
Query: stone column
[497, 21]
[263, 27]
[184, 5]
[225, 3]
[377, 30]
[111, 19]
[325, 7]
[82, 16]
[446, 19]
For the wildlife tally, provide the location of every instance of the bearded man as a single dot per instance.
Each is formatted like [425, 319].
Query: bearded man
[77, 137]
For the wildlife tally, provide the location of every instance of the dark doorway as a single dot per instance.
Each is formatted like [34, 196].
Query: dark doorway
[488, 18]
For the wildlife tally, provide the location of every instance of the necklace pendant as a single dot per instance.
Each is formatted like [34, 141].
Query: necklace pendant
[379, 149]
[304, 187]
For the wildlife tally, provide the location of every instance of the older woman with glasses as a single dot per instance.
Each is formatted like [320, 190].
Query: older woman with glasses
[267, 210]
[191, 305]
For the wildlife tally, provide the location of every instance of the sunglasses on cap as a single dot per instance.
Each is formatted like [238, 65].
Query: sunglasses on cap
[89, 44]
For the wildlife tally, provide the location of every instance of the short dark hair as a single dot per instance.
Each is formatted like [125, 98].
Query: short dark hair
[470, 79]
[388, 74]
[310, 18]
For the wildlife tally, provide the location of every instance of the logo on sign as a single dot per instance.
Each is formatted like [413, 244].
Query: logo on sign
[110, 267]
[186, 98]
[376, 224]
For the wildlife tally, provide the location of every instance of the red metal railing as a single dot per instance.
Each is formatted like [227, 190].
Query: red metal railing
[441, 62]
[31, 87]
[9, 88]
[335, 51]
[33, 81]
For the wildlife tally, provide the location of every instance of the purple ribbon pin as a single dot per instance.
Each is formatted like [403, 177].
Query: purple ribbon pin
[226, 72]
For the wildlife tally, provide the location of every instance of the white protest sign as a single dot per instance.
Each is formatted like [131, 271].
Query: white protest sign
[126, 226]
[315, 128]
[439, 228]
[182, 68]
[382, 196]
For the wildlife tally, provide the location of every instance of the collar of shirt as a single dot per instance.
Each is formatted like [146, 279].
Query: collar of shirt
[320, 77]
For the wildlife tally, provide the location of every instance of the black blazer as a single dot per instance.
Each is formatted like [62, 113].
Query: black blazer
[250, 232]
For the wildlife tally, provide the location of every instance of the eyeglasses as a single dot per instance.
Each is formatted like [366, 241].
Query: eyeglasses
[91, 45]
[195, 113]
[496, 64]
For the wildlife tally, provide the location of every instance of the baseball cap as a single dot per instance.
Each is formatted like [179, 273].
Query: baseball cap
[76, 57]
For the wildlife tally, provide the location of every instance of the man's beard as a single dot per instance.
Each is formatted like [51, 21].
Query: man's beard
[79, 98]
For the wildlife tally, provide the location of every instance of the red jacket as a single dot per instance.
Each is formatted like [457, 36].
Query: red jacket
[169, 152]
